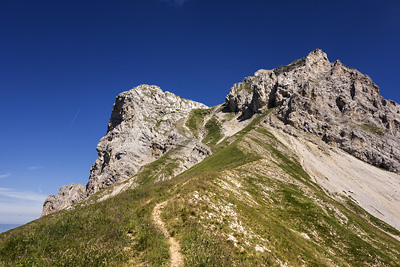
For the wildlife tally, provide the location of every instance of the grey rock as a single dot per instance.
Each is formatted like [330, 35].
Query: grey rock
[143, 127]
[240, 96]
[67, 196]
[339, 104]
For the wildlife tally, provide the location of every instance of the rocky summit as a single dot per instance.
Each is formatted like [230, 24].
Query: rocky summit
[298, 167]
[330, 100]
[144, 125]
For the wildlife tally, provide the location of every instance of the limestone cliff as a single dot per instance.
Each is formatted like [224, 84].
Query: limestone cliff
[330, 100]
[144, 125]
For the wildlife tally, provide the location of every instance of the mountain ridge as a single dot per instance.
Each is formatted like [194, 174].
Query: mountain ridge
[255, 181]
[330, 100]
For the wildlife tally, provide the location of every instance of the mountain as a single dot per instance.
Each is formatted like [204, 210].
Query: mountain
[299, 167]
[145, 124]
[330, 100]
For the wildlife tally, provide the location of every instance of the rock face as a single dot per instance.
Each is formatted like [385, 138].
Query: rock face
[330, 100]
[142, 128]
[144, 125]
[67, 196]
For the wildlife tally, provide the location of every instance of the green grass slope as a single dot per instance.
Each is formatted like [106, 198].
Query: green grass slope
[249, 204]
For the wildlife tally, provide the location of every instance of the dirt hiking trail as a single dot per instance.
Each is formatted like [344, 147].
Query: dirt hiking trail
[174, 247]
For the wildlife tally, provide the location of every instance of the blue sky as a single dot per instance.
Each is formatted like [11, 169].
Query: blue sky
[63, 62]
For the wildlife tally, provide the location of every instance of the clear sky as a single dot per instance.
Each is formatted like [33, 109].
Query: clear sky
[63, 62]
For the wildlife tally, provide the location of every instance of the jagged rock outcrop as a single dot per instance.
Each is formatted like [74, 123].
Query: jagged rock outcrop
[142, 128]
[339, 104]
[67, 196]
[145, 124]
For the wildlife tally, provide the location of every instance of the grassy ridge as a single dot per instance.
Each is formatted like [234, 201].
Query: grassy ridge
[297, 222]
[249, 204]
[93, 235]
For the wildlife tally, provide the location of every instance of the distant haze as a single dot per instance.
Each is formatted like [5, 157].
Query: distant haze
[6, 227]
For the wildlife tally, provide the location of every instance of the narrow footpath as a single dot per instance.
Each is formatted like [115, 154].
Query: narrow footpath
[174, 247]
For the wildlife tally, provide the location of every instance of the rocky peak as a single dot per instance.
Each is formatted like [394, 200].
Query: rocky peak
[140, 102]
[142, 128]
[67, 196]
[330, 100]
[317, 61]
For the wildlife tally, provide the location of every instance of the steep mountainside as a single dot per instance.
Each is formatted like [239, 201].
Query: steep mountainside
[278, 175]
[331, 100]
[145, 124]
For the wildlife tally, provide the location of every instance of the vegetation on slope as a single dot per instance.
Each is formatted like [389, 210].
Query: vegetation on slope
[200, 124]
[249, 204]
[196, 120]
[269, 212]
[92, 235]
[159, 170]
[214, 131]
